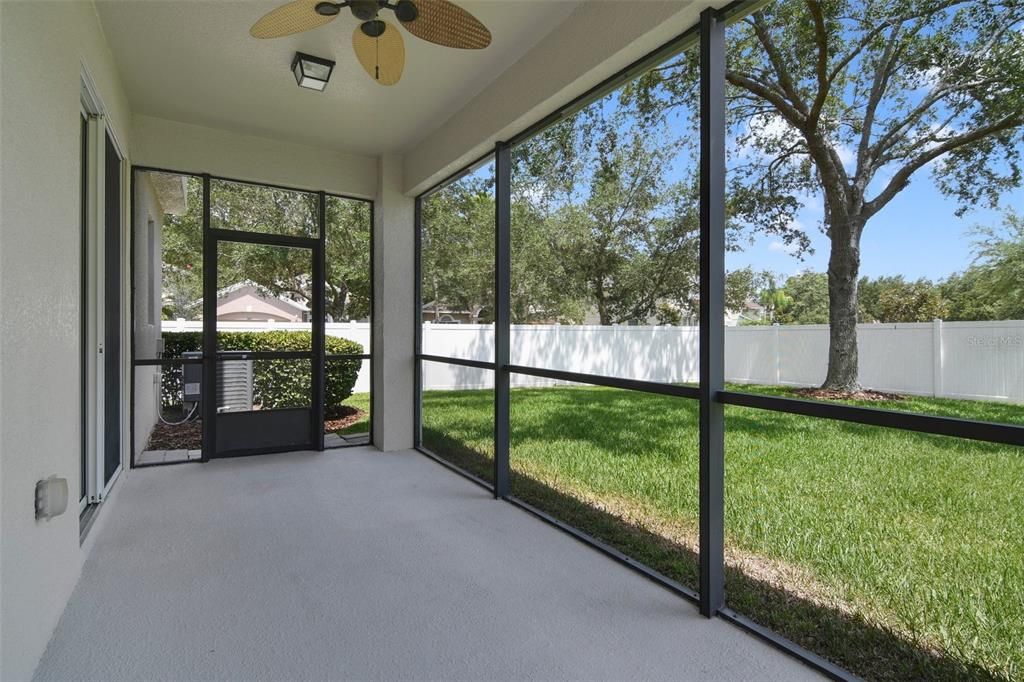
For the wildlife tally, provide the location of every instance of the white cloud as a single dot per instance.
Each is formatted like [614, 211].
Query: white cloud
[779, 246]
[767, 127]
[930, 77]
[847, 156]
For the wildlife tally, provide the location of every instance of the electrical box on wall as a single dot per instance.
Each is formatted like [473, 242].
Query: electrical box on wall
[51, 497]
[192, 379]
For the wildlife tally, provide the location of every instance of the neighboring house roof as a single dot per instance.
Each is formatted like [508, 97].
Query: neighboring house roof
[247, 301]
[443, 308]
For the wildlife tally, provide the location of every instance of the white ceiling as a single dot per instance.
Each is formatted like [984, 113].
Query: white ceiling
[195, 62]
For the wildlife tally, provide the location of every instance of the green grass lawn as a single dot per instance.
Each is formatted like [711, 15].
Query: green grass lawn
[897, 555]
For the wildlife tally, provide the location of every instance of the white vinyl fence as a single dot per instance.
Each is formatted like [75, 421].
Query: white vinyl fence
[975, 360]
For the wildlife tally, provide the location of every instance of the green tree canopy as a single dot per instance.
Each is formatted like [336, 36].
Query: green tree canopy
[894, 299]
[807, 296]
[999, 267]
[278, 271]
[851, 100]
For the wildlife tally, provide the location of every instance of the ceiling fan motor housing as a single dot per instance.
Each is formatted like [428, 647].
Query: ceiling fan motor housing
[364, 10]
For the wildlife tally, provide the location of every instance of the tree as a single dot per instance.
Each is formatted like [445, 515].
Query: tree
[893, 299]
[1000, 267]
[182, 262]
[625, 237]
[347, 284]
[967, 300]
[773, 299]
[744, 286]
[807, 297]
[277, 271]
[851, 100]
[457, 247]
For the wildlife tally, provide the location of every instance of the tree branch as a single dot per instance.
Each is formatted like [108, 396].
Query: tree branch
[821, 43]
[751, 84]
[784, 77]
[902, 176]
[878, 85]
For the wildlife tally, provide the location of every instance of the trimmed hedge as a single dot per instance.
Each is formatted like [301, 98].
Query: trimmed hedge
[276, 383]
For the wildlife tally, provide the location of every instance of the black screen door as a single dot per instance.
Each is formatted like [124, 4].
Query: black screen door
[263, 353]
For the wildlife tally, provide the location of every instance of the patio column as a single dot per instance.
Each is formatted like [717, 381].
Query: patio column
[393, 309]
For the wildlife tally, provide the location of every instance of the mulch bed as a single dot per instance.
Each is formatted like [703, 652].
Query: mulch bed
[863, 394]
[342, 418]
[187, 436]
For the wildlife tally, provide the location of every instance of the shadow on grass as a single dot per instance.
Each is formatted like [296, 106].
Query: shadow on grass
[863, 648]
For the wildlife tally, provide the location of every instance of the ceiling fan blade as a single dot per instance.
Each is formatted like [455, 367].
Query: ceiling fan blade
[445, 23]
[295, 17]
[382, 57]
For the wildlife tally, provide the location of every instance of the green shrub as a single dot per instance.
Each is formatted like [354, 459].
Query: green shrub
[276, 383]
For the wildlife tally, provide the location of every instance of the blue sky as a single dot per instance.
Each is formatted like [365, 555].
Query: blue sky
[916, 235]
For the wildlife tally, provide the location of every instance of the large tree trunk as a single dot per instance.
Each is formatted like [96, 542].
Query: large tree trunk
[337, 301]
[843, 273]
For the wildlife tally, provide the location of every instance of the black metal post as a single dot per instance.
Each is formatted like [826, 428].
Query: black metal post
[209, 388]
[373, 316]
[712, 312]
[417, 388]
[319, 319]
[502, 313]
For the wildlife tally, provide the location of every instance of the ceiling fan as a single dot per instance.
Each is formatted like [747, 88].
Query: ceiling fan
[377, 43]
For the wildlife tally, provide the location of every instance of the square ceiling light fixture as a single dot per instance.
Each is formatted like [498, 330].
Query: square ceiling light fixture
[311, 72]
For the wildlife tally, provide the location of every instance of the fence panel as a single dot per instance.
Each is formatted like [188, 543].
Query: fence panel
[896, 358]
[972, 360]
[983, 360]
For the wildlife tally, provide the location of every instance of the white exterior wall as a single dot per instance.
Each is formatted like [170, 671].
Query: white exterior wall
[147, 379]
[43, 47]
[189, 148]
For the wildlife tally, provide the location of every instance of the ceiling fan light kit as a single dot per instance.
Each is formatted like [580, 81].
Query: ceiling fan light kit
[378, 45]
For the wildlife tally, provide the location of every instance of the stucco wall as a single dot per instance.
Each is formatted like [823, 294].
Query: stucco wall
[197, 149]
[394, 311]
[43, 46]
[147, 265]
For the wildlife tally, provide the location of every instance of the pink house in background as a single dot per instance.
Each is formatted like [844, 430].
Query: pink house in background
[246, 302]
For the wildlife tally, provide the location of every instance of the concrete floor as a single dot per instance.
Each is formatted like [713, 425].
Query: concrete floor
[358, 564]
